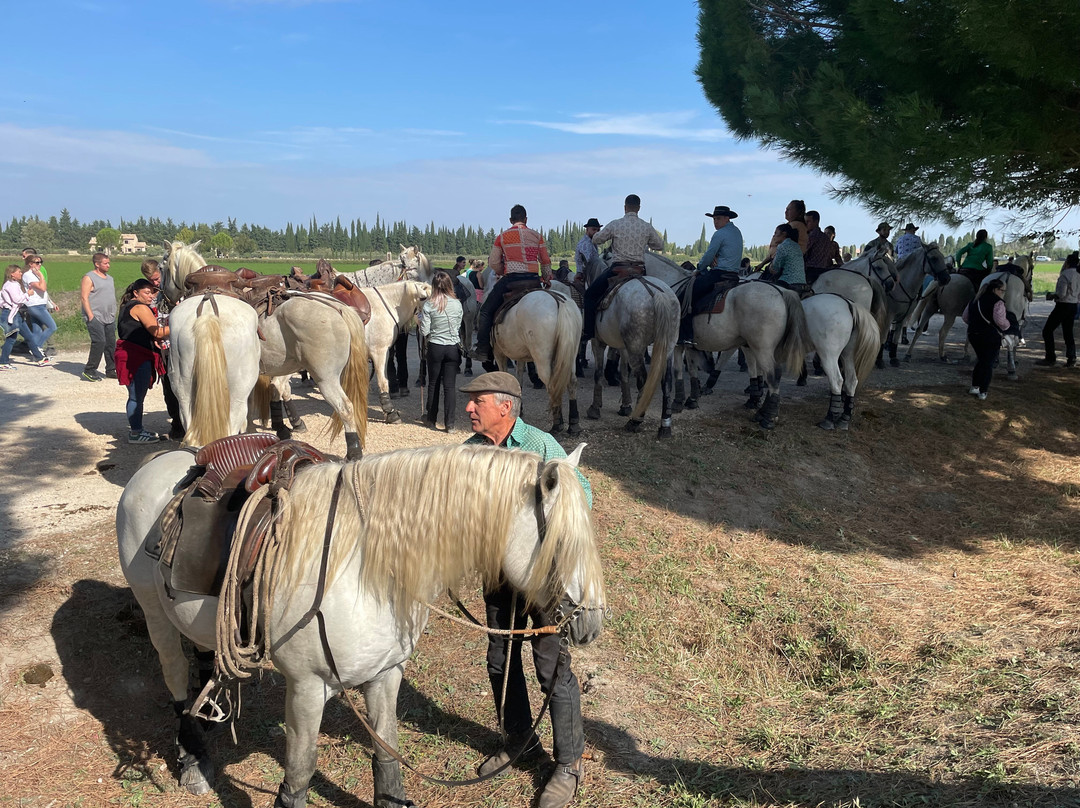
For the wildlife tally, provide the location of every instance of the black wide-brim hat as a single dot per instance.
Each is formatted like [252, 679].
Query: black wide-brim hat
[593, 223]
[723, 210]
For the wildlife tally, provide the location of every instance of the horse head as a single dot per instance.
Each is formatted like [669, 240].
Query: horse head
[551, 554]
[177, 263]
[935, 263]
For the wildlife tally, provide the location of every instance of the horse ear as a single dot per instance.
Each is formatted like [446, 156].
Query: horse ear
[403, 247]
[196, 244]
[167, 245]
[575, 456]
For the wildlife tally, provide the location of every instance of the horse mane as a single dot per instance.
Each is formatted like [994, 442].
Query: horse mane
[181, 260]
[423, 519]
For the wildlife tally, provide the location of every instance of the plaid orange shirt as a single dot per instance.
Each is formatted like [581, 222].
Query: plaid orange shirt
[520, 249]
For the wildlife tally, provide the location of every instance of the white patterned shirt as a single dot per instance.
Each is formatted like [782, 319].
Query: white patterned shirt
[629, 237]
[586, 251]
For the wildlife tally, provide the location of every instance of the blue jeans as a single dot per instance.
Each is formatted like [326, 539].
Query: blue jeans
[24, 330]
[42, 323]
[140, 383]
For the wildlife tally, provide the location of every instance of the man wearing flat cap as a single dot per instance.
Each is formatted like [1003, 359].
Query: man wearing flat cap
[724, 255]
[494, 411]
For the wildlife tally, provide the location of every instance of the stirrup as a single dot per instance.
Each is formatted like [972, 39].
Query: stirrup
[206, 705]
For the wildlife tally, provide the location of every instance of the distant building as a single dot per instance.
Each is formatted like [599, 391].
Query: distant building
[129, 243]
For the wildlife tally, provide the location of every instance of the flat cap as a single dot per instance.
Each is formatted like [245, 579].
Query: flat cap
[495, 382]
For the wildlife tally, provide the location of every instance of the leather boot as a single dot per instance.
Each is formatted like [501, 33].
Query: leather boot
[563, 785]
[530, 749]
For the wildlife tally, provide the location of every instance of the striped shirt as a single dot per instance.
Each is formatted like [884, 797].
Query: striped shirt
[530, 439]
[520, 249]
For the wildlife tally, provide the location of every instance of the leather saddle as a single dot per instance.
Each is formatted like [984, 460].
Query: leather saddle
[624, 274]
[198, 527]
[516, 289]
[349, 294]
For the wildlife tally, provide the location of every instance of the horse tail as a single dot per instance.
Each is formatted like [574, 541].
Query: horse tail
[564, 351]
[666, 311]
[879, 308]
[867, 340]
[260, 400]
[795, 343]
[210, 384]
[354, 376]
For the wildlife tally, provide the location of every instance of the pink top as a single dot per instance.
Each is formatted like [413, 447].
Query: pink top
[11, 297]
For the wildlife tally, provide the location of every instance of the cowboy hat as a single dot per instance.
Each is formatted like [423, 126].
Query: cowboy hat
[593, 223]
[723, 210]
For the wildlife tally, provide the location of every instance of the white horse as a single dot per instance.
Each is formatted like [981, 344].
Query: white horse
[950, 301]
[315, 332]
[544, 327]
[407, 526]
[862, 281]
[393, 308]
[642, 312]
[213, 364]
[764, 319]
[906, 291]
[179, 261]
[1016, 303]
[843, 333]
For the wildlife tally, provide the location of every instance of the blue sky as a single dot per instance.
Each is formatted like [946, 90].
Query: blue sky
[272, 111]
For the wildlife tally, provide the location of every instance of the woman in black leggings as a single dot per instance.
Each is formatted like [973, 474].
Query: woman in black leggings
[440, 326]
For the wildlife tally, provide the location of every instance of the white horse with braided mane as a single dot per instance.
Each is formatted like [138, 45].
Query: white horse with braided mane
[544, 328]
[212, 384]
[763, 319]
[642, 312]
[402, 528]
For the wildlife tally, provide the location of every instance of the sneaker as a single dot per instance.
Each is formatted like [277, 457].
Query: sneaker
[143, 437]
[110, 374]
[974, 391]
[42, 362]
[7, 366]
[982, 396]
[10, 332]
[90, 376]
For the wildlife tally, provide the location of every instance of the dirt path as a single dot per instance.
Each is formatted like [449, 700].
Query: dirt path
[64, 443]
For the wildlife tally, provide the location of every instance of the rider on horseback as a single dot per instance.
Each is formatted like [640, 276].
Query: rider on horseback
[629, 237]
[517, 255]
[723, 256]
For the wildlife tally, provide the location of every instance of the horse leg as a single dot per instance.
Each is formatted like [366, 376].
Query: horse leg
[893, 361]
[575, 425]
[714, 367]
[277, 414]
[770, 410]
[803, 374]
[1010, 355]
[612, 369]
[880, 362]
[665, 388]
[303, 713]
[390, 415]
[754, 389]
[694, 366]
[625, 407]
[381, 696]
[295, 421]
[680, 387]
[335, 396]
[593, 413]
[534, 377]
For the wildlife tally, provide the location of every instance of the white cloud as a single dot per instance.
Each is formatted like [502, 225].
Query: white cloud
[669, 125]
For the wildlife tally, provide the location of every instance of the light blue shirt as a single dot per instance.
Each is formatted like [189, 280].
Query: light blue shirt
[726, 246]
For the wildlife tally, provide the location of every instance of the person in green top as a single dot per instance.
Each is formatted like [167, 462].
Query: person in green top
[494, 408]
[976, 258]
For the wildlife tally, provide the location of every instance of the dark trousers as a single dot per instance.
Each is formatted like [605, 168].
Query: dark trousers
[591, 301]
[397, 363]
[703, 284]
[102, 343]
[987, 347]
[172, 404]
[1062, 315]
[442, 365]
[494, 300]
[568, 736]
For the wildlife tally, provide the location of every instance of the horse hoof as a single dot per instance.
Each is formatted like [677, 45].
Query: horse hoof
[197, 775]
[827, 424]
[691, 404]
[907, 357]
[538, 385]
[393, 417]
[746, 390]
[283, 434]
[766, 424]
[574, 429]
[634, 426]
[593, 413]
[707, 391]
[663, 432]
[625, 410]
[801, 381]
[894, 363]
[676, 406]
[1012, 377]
[468, 371]
[843, 424]
[751, 404]
[944, 360]
[299, 426]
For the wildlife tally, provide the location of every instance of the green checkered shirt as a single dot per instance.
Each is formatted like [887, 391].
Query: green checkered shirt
[530, 439]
